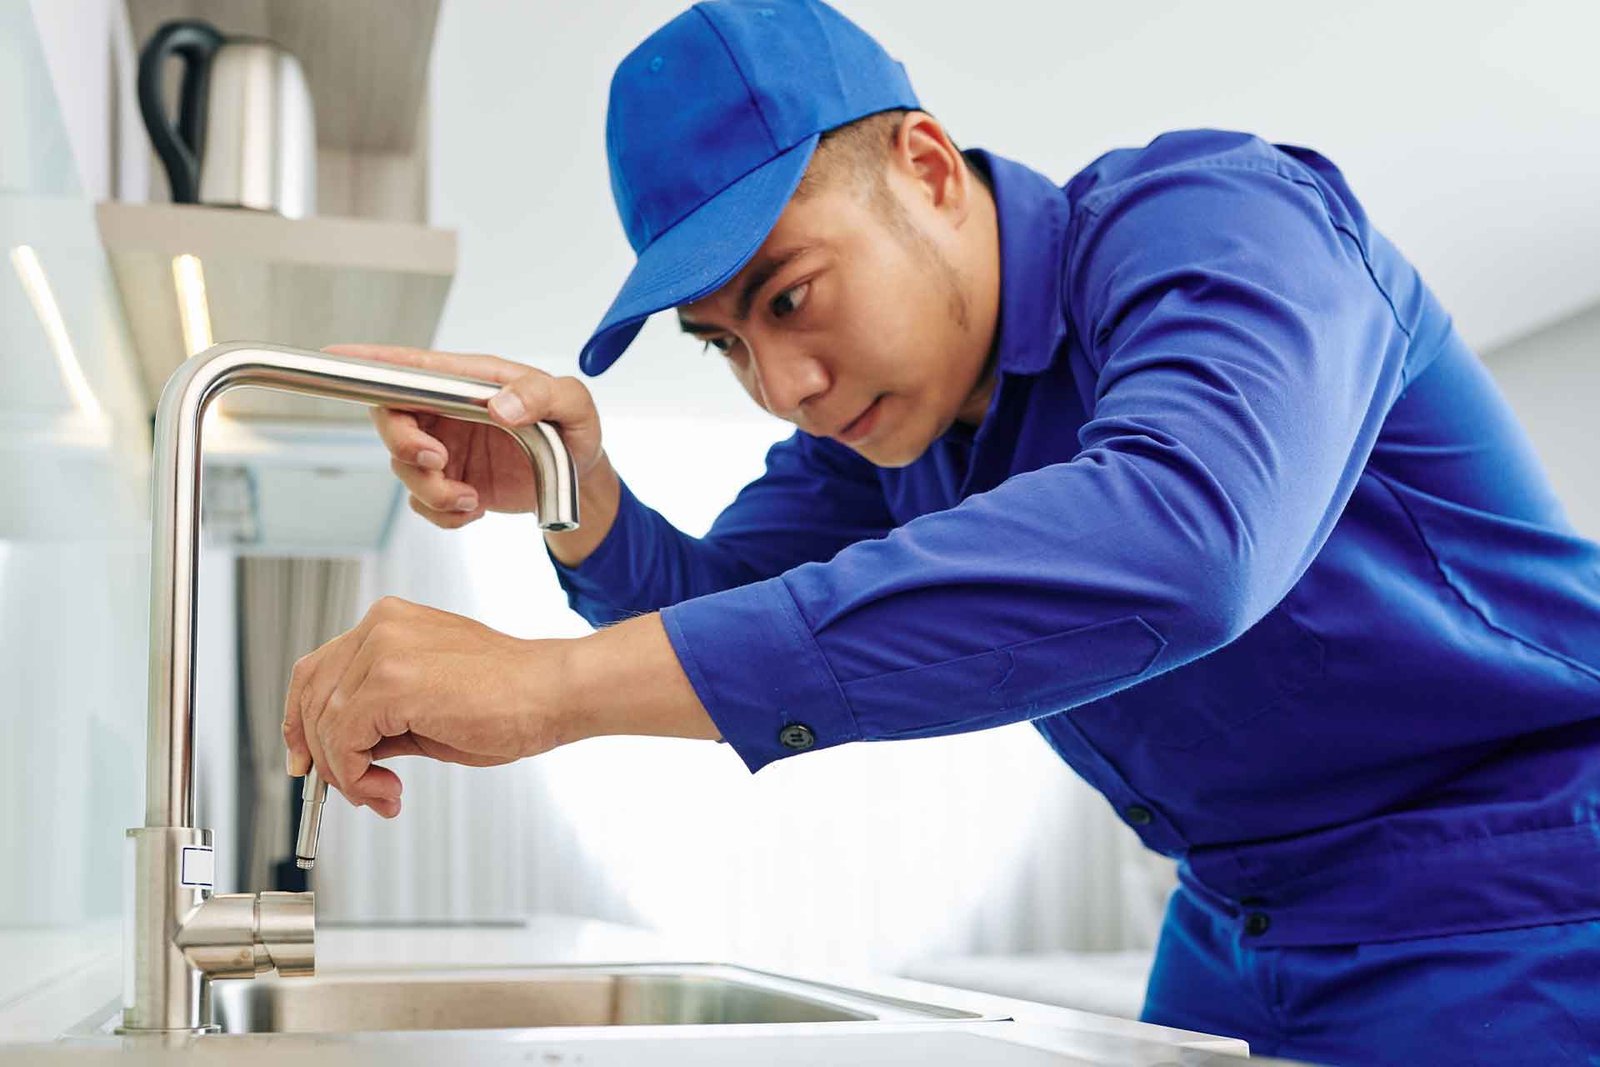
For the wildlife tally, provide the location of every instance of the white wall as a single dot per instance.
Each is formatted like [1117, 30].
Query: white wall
[1552, 378]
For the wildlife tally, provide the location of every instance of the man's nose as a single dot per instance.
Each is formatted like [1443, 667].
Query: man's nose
[787, 377]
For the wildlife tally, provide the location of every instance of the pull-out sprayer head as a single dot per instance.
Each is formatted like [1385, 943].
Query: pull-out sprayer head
[311, 801]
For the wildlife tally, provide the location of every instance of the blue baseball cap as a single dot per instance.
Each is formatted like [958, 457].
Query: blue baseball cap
[711, 125]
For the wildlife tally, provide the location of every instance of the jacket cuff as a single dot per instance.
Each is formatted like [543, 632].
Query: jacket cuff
[609, 573]
[756, 667]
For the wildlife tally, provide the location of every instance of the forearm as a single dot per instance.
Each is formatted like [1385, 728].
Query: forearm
[813, 500]
[626, 679]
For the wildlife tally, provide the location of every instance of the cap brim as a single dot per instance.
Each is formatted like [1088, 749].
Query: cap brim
[700, 253]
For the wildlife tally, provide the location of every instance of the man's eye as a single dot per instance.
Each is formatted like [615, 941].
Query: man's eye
[721, 344]
[790, 300]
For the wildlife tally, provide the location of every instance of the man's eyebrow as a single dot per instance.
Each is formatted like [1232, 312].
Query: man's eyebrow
[760, 274]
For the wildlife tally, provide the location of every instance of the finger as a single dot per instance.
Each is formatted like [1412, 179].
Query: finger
[534, 396]
[446, 520]
[402, 745]
[466, 364]
[351, 729]
[329, 666]
[380, 790]
[407, 441]
[348, 734]
[434, 489]
[294, 738]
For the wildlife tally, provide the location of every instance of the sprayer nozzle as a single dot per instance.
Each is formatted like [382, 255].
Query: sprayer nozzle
[311, 800]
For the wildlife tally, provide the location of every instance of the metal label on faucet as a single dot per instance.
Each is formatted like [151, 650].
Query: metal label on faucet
[197, 867]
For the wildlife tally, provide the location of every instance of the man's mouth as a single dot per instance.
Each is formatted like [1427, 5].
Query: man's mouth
[858, 428]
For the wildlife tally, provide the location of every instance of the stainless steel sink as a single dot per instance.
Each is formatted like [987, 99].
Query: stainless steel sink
[345, 1001]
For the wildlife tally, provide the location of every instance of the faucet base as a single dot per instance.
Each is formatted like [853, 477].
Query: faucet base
[173, 869]
[177, 951]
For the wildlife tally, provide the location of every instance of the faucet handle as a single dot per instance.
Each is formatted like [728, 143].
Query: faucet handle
[286, 928]
[241, 935]
[312, 796]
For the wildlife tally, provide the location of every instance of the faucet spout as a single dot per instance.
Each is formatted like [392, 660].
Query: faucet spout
[173, 859]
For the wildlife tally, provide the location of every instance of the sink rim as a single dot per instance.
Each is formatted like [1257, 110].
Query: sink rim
[881, 1009]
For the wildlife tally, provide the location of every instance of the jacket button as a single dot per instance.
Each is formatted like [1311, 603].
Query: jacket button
[797, 737]
[1138, 815]
[1256, 923]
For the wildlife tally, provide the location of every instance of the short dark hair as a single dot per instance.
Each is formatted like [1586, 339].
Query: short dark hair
[854, 152]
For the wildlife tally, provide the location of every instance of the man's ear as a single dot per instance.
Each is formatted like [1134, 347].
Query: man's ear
[925, 158]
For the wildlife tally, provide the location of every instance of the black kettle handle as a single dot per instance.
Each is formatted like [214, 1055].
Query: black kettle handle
[179, 146]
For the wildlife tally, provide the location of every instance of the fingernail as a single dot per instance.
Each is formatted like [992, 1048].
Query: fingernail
[288, 763]
[467, 503]
[508, 405]
[430, 460]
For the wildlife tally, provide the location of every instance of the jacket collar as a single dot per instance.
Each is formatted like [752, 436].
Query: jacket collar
[1033, 215]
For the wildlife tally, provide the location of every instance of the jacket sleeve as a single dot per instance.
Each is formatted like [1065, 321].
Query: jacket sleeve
[814, 498]
[1244, 360]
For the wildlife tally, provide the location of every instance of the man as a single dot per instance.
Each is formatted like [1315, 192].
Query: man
[1180, 461]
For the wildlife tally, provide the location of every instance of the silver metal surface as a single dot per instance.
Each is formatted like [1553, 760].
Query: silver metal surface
[313, 794]
[514, 997]
[179, 933]
[261, 134]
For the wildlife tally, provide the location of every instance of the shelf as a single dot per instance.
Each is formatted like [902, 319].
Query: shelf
[302, 282]
[366, 61]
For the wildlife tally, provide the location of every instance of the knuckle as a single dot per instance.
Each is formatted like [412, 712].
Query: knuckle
[532, 385]
[383, 636]
[387, 671]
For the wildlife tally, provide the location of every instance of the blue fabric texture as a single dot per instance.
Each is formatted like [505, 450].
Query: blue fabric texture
[1518, 996]
[1248, 534]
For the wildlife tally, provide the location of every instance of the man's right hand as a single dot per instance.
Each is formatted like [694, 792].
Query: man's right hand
[456, 471]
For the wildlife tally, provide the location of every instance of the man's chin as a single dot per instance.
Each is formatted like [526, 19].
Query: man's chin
[891, 454]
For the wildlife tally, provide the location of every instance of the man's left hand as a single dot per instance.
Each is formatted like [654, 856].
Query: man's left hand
[413, 680]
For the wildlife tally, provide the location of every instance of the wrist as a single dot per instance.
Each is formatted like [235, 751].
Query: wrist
[626, 679]
[544, 705]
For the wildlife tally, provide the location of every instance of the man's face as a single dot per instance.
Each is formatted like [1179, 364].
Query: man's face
[849, 323]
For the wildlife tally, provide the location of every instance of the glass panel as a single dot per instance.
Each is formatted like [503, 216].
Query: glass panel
[74, 555]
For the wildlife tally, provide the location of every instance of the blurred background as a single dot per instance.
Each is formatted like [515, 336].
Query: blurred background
[461, 201]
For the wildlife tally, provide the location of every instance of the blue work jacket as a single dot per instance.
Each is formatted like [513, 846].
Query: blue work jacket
[1247, 533]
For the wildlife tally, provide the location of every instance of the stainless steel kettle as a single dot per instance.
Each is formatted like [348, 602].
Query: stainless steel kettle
[245, 134]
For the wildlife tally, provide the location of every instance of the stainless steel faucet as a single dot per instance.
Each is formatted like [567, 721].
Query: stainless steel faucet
[181, 935]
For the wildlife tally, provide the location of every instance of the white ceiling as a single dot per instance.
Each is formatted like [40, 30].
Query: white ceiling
[1471, 131]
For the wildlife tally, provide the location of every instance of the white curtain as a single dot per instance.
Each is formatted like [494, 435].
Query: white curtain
[862, 856]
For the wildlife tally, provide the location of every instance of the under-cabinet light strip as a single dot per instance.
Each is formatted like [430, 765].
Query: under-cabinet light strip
[31, 271]
[193, 311]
